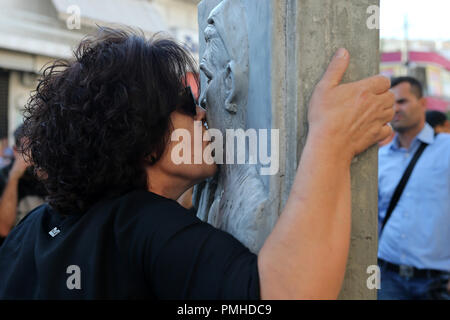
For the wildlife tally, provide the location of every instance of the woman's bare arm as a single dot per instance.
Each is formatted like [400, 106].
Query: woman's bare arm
[305, 255]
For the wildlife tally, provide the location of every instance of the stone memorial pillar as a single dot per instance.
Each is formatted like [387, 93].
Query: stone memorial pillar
[260, 61]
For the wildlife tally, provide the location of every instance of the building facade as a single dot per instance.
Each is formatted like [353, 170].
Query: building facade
[36, 32]
[428, 61]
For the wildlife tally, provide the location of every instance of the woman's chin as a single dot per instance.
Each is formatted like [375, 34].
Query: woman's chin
[211, 170]
[207, 171]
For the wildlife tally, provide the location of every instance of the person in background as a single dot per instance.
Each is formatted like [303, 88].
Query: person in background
[6, 153]
[414, 252]
[438, 120]
[20, 191]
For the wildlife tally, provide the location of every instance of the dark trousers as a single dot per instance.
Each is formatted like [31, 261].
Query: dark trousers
[397, 287]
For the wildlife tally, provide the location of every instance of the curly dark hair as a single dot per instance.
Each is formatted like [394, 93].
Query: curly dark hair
[94, 122]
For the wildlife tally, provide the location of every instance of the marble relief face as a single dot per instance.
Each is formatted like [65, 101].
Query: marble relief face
[214, 66]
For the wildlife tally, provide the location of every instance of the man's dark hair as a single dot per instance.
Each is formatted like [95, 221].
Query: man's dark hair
[93, 123]
[416, 86]
[435, 118]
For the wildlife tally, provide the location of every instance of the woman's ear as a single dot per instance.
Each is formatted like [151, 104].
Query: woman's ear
[230, 87]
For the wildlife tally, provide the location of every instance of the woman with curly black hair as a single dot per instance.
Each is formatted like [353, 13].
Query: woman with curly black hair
[98, 134]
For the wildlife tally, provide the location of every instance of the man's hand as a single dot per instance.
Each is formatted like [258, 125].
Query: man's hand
[353, 115]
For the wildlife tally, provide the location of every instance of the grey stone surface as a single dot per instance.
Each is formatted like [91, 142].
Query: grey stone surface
[238, 199]
[284, 47]
[321, 27]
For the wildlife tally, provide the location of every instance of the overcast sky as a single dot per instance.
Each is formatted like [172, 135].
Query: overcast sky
[427, 19]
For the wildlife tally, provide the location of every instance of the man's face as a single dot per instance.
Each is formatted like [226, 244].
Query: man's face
[409, 109]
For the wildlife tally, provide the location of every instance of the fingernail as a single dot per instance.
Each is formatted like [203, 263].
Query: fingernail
[341, 53]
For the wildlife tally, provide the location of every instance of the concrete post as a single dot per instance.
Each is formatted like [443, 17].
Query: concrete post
[319, 29]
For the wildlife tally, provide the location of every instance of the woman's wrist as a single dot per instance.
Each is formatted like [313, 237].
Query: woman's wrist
[335, 148]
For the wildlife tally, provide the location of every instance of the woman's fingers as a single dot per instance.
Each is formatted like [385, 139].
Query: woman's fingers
[376, 84]
[387, 100]
[336, 69]
[386, 115]
[385, 132]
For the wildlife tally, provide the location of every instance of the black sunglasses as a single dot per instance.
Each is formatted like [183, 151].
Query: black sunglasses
[188, 103]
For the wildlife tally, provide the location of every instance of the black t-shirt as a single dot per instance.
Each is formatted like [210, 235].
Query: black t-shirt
[140, 245]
